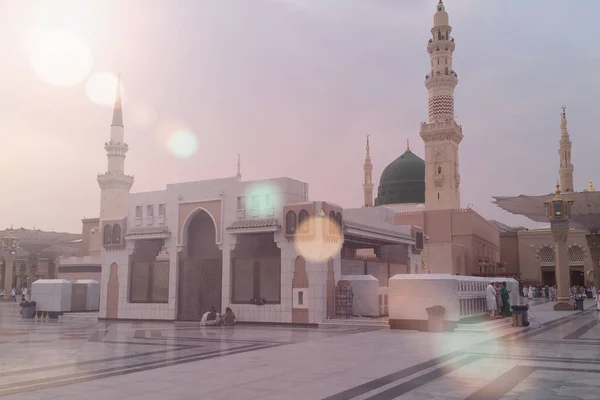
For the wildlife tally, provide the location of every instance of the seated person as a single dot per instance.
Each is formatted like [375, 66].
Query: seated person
[209, 318]
[229, 318]
[212, 317]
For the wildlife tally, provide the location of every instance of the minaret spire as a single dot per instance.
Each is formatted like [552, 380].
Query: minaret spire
[566, 168]
[368, 175]
[441, 134]
[239, 168]
[114, 184]
[407, 144]
[117, 119]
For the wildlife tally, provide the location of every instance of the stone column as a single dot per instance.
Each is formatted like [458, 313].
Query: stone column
[560, 232]
[9, 260]
[593, 241]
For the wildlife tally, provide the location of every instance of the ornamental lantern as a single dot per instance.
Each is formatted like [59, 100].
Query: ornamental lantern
[558, 208]
[10, 243]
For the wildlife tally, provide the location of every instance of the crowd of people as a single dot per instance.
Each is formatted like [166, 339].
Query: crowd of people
[15, 293]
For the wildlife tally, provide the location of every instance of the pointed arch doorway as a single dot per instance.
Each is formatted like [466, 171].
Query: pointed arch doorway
[200, 269]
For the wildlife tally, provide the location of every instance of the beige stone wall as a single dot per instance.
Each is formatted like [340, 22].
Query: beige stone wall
[509, 252]
[531, 242]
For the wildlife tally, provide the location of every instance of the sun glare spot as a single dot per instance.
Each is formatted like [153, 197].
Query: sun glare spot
[318, 238]
[101, 88]
[143, 117]
[59, 58]
[182, 143]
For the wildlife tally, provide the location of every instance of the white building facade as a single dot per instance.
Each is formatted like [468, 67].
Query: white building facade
[260, 247]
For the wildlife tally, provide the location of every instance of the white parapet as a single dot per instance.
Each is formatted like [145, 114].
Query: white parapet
[461, 296]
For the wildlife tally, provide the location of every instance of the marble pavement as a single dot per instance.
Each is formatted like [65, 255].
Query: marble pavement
[557, 358]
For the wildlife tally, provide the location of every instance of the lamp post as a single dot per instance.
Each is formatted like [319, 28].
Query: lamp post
[558, 210]
[9, 247]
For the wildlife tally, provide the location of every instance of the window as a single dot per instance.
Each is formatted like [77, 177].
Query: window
[446, 70]
[269, 200]
[300, 298]
[303, 221]
[116, 234]
[138, 212]
[150, 211]
[149, 282]
[439, 170]
[241, 203]
[256, 279]
[338, 220]
[107, 232]
[438, 195]
[162, 210]
[290, 222]
[254, 202]
[332, 220]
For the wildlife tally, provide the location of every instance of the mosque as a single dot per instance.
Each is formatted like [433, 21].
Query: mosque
[426, 193]
[273, 255]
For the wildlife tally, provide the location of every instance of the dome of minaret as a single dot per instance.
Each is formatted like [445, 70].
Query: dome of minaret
[402, 181]
[440, 18]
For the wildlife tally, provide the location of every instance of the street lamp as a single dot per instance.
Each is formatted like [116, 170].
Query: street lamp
[9, 247]
[558, 211]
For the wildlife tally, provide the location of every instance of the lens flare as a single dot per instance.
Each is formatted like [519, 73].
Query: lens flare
[143, 117]
[263, 198]
[59, 58]
[101, 88]
[182, 143]
[318, 238]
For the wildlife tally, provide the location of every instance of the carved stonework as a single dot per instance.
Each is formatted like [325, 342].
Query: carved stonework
[438, 181]
[560, 235]
[457, 179]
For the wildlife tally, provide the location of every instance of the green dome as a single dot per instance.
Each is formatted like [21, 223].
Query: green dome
[403, 181]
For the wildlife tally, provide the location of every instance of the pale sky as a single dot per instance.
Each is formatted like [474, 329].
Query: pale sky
[294, 86]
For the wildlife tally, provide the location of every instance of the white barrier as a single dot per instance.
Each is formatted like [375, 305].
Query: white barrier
[462, 297]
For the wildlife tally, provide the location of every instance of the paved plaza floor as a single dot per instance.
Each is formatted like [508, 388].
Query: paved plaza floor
[557, 357]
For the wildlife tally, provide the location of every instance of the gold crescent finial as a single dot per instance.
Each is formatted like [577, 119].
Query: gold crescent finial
[591, 187]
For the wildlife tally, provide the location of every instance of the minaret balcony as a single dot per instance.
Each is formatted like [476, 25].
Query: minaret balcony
[440, 45]
[116, 149]
[109, 180]
[439, 80]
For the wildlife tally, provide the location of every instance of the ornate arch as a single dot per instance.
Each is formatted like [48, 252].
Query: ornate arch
[576, 256]
[546, 256]
[190, 218]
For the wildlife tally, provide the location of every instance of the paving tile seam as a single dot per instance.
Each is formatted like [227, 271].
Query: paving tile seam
[27, 386]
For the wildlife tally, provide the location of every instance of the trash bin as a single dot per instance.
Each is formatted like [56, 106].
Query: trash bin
[520, 315]
[579, 303]
[435, 318]
[27, 309]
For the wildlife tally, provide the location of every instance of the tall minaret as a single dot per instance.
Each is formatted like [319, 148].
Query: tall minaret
[441, 134]
[368, 170]
[564, 152]
[114, 184]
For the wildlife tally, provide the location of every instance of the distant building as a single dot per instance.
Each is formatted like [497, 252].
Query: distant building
[38, 254]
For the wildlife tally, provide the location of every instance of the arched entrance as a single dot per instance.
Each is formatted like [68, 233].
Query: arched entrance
[576, 256]
[547, 260]
[201, 269]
